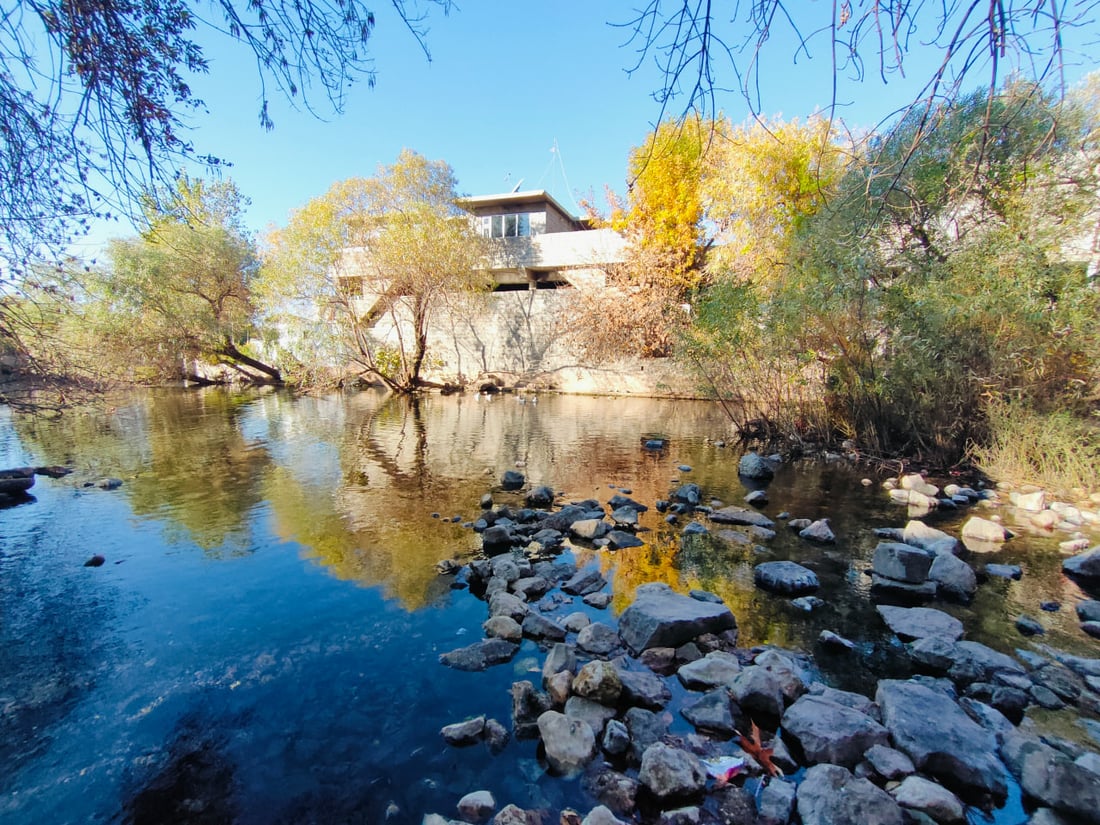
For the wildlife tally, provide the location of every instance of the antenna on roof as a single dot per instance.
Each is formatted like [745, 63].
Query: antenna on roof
[517, 186]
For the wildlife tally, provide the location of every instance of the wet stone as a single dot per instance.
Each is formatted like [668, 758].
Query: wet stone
[785, 577]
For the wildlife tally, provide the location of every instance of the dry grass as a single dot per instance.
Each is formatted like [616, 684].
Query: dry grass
[1057, 451]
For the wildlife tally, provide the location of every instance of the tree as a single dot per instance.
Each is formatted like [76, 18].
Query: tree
[664, 221]
[373, 252]
[181, 290]
[701, 49]
[95, 101]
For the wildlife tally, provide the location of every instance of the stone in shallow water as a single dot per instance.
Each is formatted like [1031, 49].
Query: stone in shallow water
[480, 655]
[920, 622]
[831, 795]
[660, 617]
[785, 577]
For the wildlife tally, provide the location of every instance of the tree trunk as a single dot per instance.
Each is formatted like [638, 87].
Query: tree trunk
[228, 350]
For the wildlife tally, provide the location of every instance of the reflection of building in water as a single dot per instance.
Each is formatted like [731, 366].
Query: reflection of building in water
[543, 262]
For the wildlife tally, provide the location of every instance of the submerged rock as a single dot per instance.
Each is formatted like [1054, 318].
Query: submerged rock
[920, 623]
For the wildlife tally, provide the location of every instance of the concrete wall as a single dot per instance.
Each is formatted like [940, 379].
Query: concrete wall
[523, 339]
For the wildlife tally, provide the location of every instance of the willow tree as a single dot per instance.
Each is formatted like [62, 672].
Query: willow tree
[180, 291]
[374, 260]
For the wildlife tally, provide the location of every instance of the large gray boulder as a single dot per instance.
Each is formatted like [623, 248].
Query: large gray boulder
[920, 623]
[595, 715]
[754, 466]
[660, 617]
[1084, 565]
[1052, 778]
[570, 743]
[828, 732]
[644, 689]
[528, 704]
[901, 562]
[785, 577]
[974, 661]
[831, 795]
[741, 515]
[599, 681]
[598, 639]
[758, 690]
[776, 802]
[646, 729]
[940, 738]
[671, 773]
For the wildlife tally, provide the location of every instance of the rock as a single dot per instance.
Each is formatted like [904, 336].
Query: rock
[981, 529]
[787, 671]
[570, 744]
[477, 806]
[711, 712]
[621, 540]
[1084, 565]
[1027, 626]
[495, 540]
[785, 577]
[920, 622]
[819, 531]
[465, 733]
[757, 498]
[495, 736]
[919, 534]
[585, 581]
[590, 529]
[599, 681]
[671, 773]
[109, 483]
[917, 793]
[511, 480]
[659, 617]
[528, 705]
[560, 658]
[809, 604]
[644, 689]
[1004, 571]
[576, 622]
[515, 815]
[1091, 628]
[689, 494]
[955, 579]
[503, 627]
[734, 805]
[1031, 502]
[776, 802]
[616, 738]
[829, 732]
[608, 787]
[892, 589]
[531, 587]
[541, 496]
[1052, 778]
[95, 561]
[646, 728]
[592, 713]
[480, 655]
[597, 600]
[901, 562]
[740, 515]
[889, 763]
[981, 661]
[713, 670]
[598, 639]
[536, 626]
[1088, 610]
[855, 701]
[831, 795]
[758, 691]
[690, 815]
[601, 815]
[940, 738]
[754, 466]
[625, 517]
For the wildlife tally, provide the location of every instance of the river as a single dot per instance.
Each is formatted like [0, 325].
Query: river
[261, 643]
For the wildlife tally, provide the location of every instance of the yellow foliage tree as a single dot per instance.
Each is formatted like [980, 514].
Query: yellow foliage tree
[762, 181]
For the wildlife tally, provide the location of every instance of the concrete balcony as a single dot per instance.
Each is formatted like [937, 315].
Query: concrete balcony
[558, 251]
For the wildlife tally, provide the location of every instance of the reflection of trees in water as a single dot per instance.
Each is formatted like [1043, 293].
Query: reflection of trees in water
[193, 784]
[181, 454]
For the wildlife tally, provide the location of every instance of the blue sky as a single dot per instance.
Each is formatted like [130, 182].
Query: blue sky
[507, 83]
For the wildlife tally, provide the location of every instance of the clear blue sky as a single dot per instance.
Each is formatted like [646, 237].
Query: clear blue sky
[506, 82]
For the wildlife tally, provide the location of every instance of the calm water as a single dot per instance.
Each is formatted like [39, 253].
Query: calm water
[261, 644]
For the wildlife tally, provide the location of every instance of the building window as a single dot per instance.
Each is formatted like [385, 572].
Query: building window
[506, 226]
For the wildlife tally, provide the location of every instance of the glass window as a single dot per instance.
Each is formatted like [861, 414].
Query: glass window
[511, 226]
[498, 226]
[524, 225]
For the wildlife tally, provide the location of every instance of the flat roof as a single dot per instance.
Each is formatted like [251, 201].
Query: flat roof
[510, 198]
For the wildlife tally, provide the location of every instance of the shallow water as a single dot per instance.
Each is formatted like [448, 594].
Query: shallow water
[262, 642]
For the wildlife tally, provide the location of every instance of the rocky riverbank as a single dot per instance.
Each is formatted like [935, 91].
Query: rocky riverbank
[769, 742]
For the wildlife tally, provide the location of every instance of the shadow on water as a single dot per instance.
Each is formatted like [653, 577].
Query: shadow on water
[192, 783]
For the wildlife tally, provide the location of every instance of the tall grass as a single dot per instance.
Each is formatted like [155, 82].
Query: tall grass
[1057, 451]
